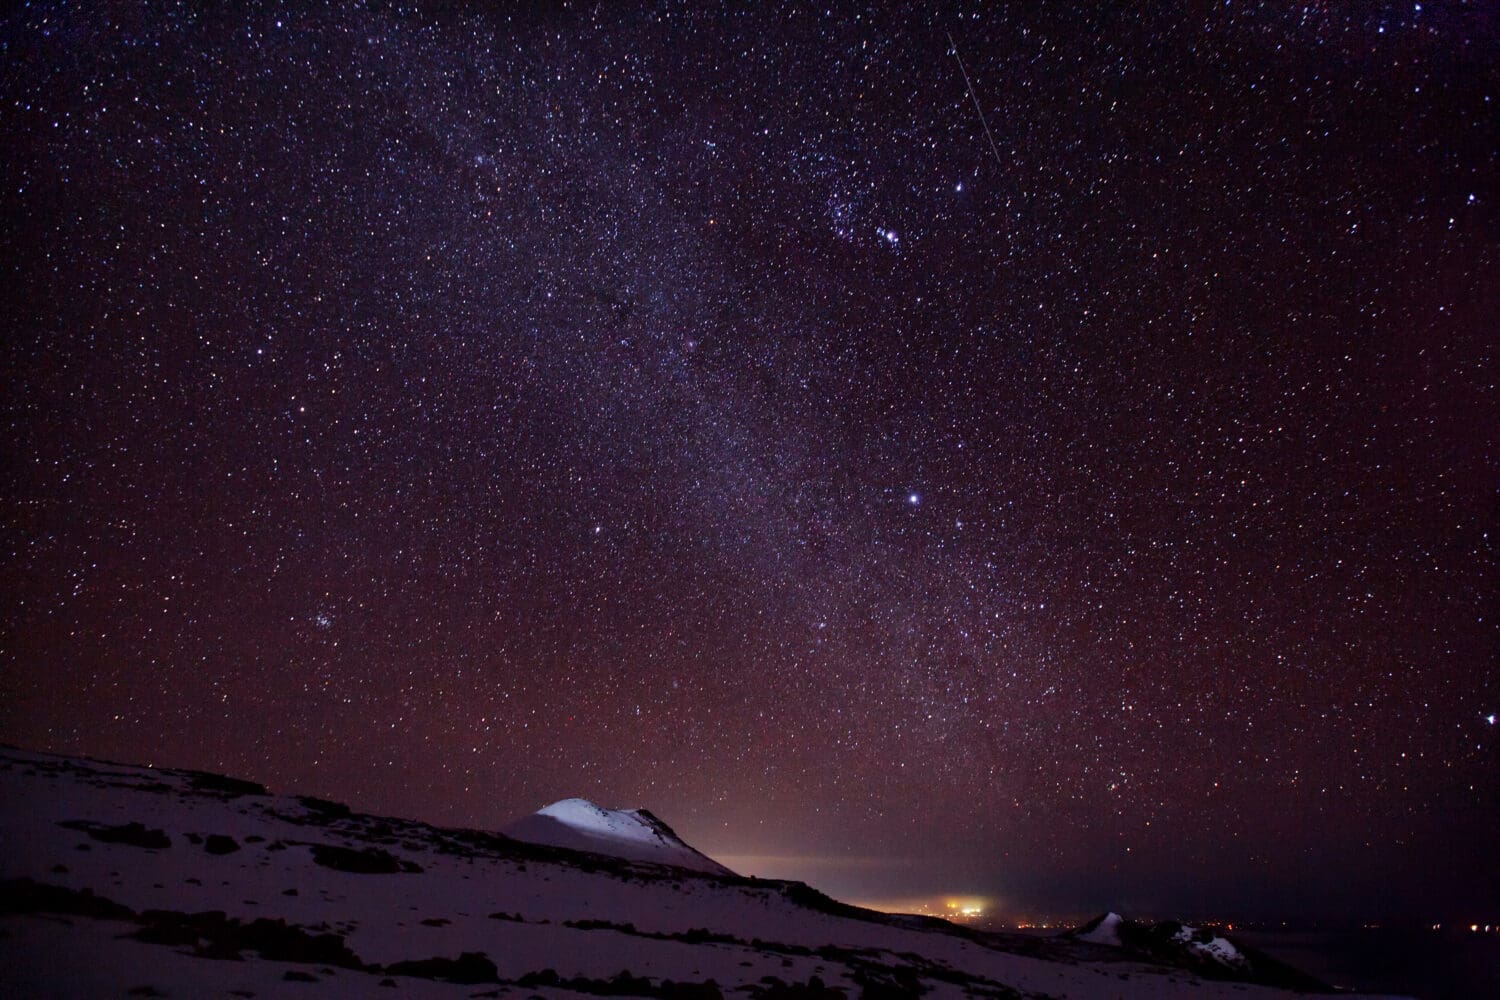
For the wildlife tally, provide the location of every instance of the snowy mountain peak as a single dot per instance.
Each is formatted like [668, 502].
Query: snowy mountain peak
[1102, 930]
[632, 834]
[630, 824]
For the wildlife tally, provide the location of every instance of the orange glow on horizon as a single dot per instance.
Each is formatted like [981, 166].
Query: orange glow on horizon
[948, 907]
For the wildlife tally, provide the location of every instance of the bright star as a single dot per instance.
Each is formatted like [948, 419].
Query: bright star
[913, 498]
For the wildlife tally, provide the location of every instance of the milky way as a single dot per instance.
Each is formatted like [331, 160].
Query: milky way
[453, 412]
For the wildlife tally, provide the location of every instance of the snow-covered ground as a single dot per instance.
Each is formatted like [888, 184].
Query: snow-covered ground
[131, 881]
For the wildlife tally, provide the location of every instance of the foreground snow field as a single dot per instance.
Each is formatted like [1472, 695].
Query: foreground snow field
[133, 881]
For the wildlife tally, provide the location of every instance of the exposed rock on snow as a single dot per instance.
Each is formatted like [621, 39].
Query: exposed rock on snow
[633, 834]
[1202, 949]
[1210, 945]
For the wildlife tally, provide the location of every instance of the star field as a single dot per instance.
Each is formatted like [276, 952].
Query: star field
[450, 412]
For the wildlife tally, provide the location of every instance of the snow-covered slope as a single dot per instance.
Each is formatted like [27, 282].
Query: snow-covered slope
[119, 880]
[633, 834]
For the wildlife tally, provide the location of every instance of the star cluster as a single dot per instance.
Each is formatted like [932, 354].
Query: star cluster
[1086, 503]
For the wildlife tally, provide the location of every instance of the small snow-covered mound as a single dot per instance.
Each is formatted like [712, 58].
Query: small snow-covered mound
[1101, 930]
[632, 834]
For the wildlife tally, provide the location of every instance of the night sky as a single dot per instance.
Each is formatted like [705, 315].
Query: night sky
[448, 411]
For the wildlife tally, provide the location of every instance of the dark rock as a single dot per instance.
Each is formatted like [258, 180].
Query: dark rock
[134, 834]
[216, 936]
[689, 991]
[625, 984]
[813, 989]
[468, 968]
[22, 895]
[368, 861]
[219, 843]
[895, 983]
[325, 808]
[541, 977]
[203, 781]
